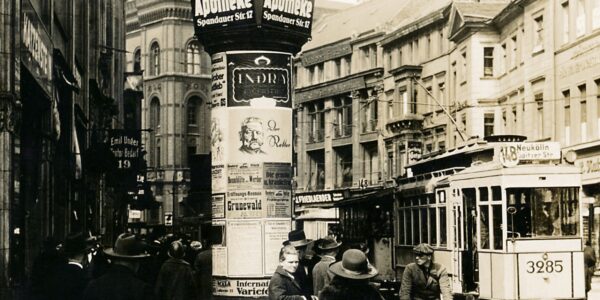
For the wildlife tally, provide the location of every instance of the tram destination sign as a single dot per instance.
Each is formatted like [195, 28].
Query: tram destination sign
[511, 154]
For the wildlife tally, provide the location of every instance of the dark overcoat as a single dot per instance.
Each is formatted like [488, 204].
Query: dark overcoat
[118, 283]
[176, 281]
[284, 287]
[321, 274]
[349, 289]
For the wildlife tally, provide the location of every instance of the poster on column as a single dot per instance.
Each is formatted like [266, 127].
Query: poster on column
[259, 77]
[257, 135]
[244, 176]
[278, 204]
[219, 261]
[244, 249]
[219, 178]
[244, 204]
[218, 91]
[276, 232]
[240, 287]
[218, 135]
[277, 176]
[218, 206]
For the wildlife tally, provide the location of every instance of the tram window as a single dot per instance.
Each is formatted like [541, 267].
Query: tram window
[497, 226]
[443, 238]
[484, 217]
[483, 194]
[424, 223]
[496, 193]
[432, 227]
[544, 211]
[415, 226]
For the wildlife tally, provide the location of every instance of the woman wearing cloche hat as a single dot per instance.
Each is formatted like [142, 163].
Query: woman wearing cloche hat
[351, 281]
[425, 279]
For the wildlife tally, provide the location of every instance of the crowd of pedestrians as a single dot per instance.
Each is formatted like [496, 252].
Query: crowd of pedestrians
[169, 267]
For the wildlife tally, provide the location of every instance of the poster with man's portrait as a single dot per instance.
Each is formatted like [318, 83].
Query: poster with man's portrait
[259, 135]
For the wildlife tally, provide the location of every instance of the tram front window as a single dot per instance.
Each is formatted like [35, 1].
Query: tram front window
[540, 212]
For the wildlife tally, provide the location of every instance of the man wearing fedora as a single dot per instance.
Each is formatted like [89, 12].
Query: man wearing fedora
[303, 274]
[328, 247]
[425, 279]
[120, 281]
[71, 277]
[351, 279]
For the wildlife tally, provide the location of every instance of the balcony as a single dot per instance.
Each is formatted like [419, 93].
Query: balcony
[342, 131]
[316, 136]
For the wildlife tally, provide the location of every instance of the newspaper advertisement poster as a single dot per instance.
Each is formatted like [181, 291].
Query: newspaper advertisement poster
[219, 261]
[218, 134]
[258, 135]
[276, 232]
[218, 91]
[244, 204]
[244, 249]
[277, 176]
[218, 206]
[244, 176]
[219, 179]
[279, 203]
[240, 287]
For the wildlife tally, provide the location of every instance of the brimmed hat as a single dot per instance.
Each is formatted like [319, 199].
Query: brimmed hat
[423, 248]
[328, 243]
[127, 246]
[76, 243]
[354, 265]
[297, 238]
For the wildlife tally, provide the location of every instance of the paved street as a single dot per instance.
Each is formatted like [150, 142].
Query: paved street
[594, 294]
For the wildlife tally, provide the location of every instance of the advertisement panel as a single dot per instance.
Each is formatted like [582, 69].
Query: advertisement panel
[218, 91]
[258, 76]
[36, 47]
[258, 135]
[292, 16]
[219, 178]
[244, 176]
[240, 287]
[218, 206]
[218, 135]
[277, 176]
[219, 261]
[211, 15]
[244, 204]
[278, 204]
[276, 232]
[244, 248]
[125, 146]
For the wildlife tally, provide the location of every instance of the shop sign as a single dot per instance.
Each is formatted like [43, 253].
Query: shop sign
[511, 154]
[36, 47]
[294, 16]
[210, 15]
[125, 146]
[240, 287]
[318, 198]
[255, 76]
[326, 53]
[331, 90]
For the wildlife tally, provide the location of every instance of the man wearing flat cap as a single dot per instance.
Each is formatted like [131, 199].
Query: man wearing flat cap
[120, 282]
[328, 247]
[425, 279]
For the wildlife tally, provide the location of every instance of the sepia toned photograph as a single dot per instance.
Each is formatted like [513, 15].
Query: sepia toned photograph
[299, 149]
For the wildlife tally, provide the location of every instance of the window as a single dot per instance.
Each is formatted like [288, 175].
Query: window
[404, 100]
[567, 114]
[583, 112]
[157, 154]
[598, 106]
[513, 52]
[488, 61]
[595, 14]
[543, 212]
[337, 68]
[415, 49]
[539, 100]
[155, 113]
[503, 62]
[343, 125]
[463, 69]
[193, 58]
[538, 32]
[316, 117]
[565, 22]
[369, 57]
[441, 93]
[192, 111]
[488, 124]
[154, 59]
[369, 117]
[137, 60]
[428, 47]
[580, 20]
[441, 42]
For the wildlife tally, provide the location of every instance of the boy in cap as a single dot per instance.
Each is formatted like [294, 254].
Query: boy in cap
[351, 279]
[425, 279]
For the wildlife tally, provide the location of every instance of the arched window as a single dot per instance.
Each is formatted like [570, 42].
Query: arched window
[154, 59]
[192, 110]
[155, 113]
[157, 154]
[137, 60]
[192, 58]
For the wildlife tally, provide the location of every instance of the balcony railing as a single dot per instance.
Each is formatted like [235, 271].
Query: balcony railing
[369, 125]
[342, 131]
[316, 136]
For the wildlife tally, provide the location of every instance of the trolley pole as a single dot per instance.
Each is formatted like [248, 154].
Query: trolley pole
[252, 44]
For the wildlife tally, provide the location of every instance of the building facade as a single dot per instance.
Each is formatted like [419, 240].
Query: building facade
[61, 89]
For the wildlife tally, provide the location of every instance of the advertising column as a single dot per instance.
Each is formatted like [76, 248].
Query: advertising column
[252, 43]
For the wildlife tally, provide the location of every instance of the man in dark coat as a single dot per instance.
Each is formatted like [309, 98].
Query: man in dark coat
[425, 280]
[328, 247]
[120, 281]
[351, 281]
[283, 285]
[203, 268]
[176, 279]
[70, 278]
[589, 257]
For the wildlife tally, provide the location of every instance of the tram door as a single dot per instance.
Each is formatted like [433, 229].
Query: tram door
[469, 259]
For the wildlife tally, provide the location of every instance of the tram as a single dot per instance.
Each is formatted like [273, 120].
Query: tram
[502, 232]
